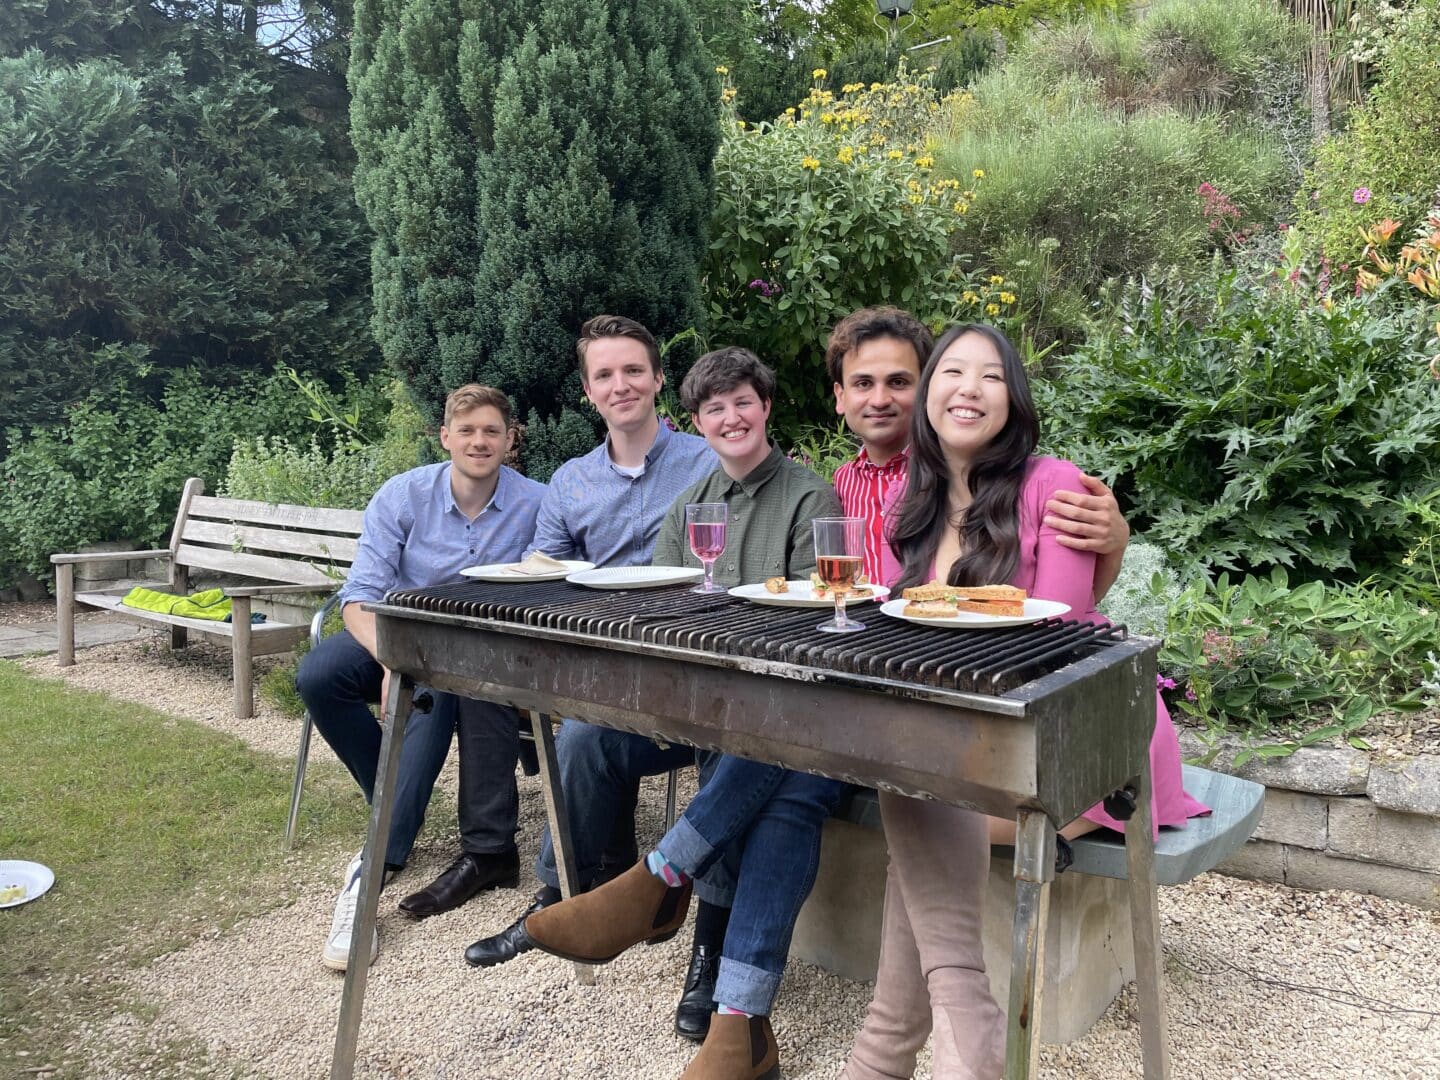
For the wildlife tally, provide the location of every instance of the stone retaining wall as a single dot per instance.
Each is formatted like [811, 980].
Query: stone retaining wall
[1338, 818]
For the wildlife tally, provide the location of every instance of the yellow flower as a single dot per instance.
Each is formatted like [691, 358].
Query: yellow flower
[804, 114]
[962, 207]
[992, 309]
[996, 279]
[978, 174]
[896, 155]
[721, 69]
[969, 297]
[827, 118]
[924, 162]
[916, 200]
[728, 94]
[819, 73]
[740, 124]
[790, 111]
[913, 185]
[875, 86]
[846, 155]
[810, 163]
[1007, 298]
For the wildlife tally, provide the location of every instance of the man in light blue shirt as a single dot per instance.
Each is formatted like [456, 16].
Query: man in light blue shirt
[606, 507]
[421, 529]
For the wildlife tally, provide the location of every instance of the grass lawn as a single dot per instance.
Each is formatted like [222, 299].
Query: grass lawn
[160, 831]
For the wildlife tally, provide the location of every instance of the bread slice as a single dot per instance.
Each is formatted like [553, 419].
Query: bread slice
[991, 607]
[1002, 600]
[537, 562]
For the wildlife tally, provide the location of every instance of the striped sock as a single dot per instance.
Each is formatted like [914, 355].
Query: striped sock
[665, 870]
[726, 1010]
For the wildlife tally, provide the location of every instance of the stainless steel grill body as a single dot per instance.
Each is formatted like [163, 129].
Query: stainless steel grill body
[899, 706]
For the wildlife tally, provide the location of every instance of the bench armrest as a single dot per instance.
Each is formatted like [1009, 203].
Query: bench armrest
[277, 590]
[109, 556]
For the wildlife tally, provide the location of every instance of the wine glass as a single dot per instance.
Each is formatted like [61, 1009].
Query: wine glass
[705, 524]
[839, 555]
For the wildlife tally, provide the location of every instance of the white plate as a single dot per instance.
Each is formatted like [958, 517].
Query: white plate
[802, 595]
[36, 878]
[505, 571]
[635, 577]
[1035, 610]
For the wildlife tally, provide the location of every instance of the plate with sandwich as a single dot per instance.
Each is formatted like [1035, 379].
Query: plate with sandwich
[814, 593]
[22, 881]
[971, 607]
[537, 566]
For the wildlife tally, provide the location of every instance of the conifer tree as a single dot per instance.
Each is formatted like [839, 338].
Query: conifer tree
[524, 167]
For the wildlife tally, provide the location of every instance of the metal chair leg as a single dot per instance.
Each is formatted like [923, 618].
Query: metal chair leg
[1145, 930]
[301, 757]
[559, 816]
[670, 800]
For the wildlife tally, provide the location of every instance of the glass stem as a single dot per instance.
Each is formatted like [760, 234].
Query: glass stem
[839, 609]
[709, 565]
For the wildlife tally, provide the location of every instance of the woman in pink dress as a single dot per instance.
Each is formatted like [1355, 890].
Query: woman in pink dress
[972, 514]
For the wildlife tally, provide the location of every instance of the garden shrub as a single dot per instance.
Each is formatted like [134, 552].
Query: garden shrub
[833, 207]
[1246, 425]
[524, 168]
[1141, 596]
[1385, 165]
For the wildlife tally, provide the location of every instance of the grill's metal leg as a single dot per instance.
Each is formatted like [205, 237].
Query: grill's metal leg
[397, 707]
[1034, 870]
[301, 757]
[1145, 928]
[670, 799]
[559, 820]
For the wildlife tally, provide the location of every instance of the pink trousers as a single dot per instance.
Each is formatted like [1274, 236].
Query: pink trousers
[932, 964]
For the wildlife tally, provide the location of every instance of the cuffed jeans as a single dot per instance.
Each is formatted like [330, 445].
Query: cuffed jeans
[337, 681]
[600, 772]
[773, 817]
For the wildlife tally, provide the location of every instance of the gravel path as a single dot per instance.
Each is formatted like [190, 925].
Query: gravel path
[258, 1000]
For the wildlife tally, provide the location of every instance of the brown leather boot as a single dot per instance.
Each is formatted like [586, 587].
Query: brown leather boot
[737, 1048]
[597, 926]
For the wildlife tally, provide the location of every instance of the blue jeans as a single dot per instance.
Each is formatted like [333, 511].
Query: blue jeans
[774, 817]
[600, 769]
[337, 681]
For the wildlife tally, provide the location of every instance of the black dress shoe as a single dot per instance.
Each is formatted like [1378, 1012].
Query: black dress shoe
[697, 1003]
[506, 945]
[462, 879]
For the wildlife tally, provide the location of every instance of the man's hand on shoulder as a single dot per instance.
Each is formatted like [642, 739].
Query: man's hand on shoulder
[1089, 520]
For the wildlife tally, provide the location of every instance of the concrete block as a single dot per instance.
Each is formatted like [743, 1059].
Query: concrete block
[1411, 788]
[1258, 860]
[1361, 830]
[1316, 870]
[1088, 950]
[1321, 770]
[295, 609]
[1293, 817]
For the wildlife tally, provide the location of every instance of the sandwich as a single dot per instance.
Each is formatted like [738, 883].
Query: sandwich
[938, 600]
[536, 563]
[820, 590]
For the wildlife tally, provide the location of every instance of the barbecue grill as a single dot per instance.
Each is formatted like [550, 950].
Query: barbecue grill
[1034, 722]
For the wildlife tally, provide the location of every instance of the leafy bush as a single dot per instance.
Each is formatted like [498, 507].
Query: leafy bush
[1141, 596]
[1246, 426]
[1385, 165]
[1305, 663]
[114, 469]
[833, 207]
[186, 213]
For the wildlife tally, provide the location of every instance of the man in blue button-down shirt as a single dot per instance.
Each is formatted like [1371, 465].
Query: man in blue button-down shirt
[606, 507]
[421, 529]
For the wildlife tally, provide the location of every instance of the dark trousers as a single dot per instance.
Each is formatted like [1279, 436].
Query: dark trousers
[338, 680]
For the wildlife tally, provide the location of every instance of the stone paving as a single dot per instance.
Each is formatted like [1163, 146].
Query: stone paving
[42, 638]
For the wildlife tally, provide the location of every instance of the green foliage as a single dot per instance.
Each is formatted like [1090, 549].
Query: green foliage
[824, 447]
[345, 475]
[1245, 425]
[115, 468]
[829, 209]
[1303, 663]
[523, 169]
[1385, 164]
[552, 441]
[1141, 596]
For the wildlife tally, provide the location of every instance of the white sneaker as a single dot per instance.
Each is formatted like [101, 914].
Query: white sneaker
[336, 955]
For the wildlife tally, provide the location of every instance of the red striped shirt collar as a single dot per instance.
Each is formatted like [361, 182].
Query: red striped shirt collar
[895, 464]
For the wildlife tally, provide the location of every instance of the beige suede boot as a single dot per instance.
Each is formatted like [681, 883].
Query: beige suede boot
[737, 1048]
[597, 926]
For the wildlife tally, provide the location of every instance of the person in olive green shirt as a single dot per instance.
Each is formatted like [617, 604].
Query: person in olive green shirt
[773, 500]
[768, 817]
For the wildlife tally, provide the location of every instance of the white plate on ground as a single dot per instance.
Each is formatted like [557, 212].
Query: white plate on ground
[802, 595]
[635, 577]
[1035, 610]
[506, 571]
[35, 877]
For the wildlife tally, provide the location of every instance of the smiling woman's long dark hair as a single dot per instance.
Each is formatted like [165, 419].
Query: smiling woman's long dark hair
[990, 530]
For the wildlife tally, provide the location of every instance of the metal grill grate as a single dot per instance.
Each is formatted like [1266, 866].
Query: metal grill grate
[977, 661]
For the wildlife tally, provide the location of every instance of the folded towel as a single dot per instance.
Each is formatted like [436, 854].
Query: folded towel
[210, 604]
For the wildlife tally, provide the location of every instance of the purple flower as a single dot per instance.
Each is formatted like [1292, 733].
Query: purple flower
[669, 423]
[765, 288]
[1163, 683]
[1361, 196]
[758, 283]
[1189, 694]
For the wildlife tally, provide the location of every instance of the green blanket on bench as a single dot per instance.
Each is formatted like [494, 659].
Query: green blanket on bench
[210, 604]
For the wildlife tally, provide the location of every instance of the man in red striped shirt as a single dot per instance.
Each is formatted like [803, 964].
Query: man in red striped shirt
[874, 359]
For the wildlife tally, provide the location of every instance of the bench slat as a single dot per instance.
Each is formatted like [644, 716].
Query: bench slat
[265, 567]
[331, 548]
[314, 518]
[111, 602]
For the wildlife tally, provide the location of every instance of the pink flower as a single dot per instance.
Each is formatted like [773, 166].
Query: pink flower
[1189, 695]
[1361, 196]
[1163, 683]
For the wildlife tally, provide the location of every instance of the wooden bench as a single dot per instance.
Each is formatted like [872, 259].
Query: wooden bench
[1088, 946]
[280, 547]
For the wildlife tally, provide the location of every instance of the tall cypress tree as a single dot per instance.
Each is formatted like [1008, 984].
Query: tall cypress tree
[524, 167]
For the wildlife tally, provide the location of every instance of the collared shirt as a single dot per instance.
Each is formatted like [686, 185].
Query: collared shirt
[593, 511]
[769, 531]
[866, 490]
[414, 535]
